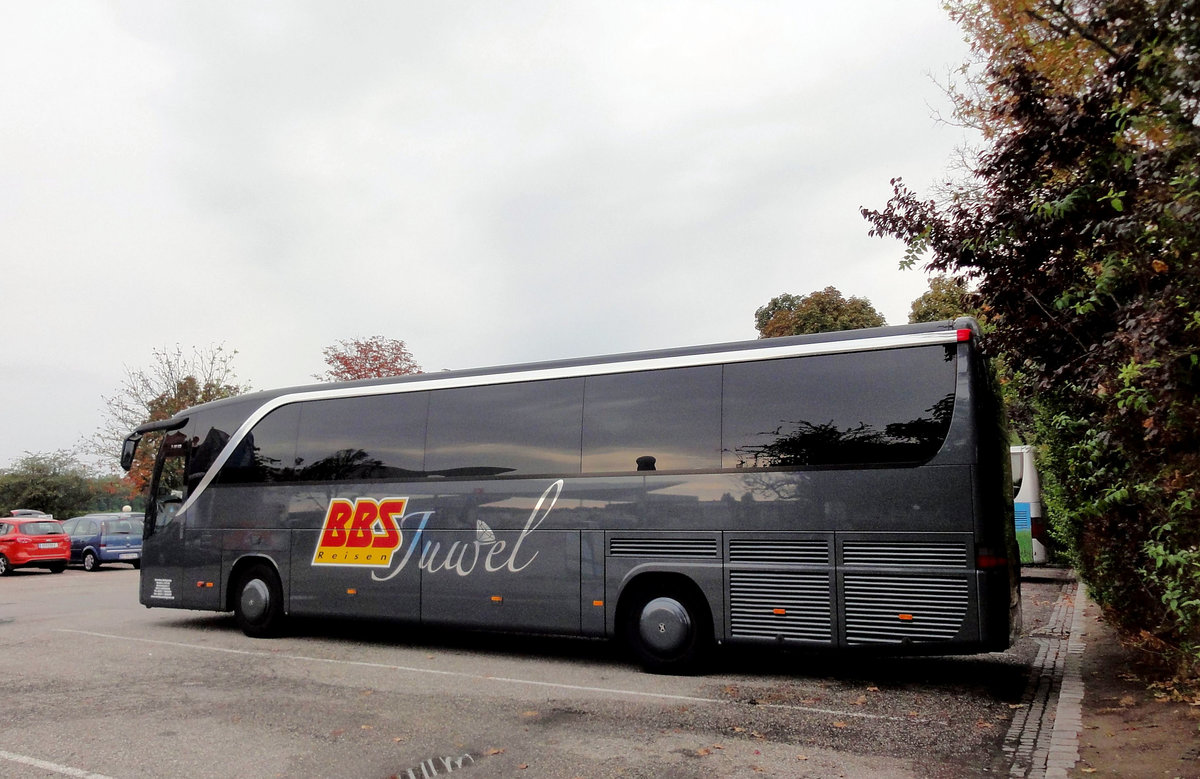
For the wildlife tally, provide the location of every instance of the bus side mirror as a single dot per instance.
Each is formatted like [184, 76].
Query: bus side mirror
[128, 450]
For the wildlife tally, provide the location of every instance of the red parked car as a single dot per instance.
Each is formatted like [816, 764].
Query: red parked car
[33, 542]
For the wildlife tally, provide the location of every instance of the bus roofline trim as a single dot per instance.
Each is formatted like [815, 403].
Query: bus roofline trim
[567, 372]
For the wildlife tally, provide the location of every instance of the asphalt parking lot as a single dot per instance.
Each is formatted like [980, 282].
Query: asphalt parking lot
[96, 685]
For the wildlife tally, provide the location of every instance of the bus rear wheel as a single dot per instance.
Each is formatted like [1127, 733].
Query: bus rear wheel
[668, 629]
[258, 602]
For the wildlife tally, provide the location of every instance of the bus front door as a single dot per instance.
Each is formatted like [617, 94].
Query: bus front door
[163, 548]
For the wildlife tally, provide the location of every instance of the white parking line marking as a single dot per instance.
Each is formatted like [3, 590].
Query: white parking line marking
[511, 680]
[48, 766]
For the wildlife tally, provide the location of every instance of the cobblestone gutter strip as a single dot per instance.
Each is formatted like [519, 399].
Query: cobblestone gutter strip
[1043, 740]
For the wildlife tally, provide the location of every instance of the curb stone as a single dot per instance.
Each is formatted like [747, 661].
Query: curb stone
[1043, 739]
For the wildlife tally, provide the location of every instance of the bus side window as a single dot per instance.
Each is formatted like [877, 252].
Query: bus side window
[888, 407]
[667, 420]
[267, 453]
[204, 454]
[505, 429]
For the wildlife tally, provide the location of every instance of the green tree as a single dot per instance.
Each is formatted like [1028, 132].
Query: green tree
[55, 483]
[1081, 231]
[109, 493]
[949, 298]
[173, 382]
[946, 298]
[823, 311]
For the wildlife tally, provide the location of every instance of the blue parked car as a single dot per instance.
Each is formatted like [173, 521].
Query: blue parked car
[105, 538]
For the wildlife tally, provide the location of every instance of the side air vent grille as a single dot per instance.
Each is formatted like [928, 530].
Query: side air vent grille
[790, 552]
[890, 610]
[904, 555]
[791, 605]
[663, 547]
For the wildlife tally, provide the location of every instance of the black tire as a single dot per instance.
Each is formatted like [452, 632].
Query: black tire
[58, 567]
[5, 566]
[258, 602]
[668, 628]
[90, 561]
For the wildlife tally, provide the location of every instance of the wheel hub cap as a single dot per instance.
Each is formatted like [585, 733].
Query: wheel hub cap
[665, 625]
[256, 599]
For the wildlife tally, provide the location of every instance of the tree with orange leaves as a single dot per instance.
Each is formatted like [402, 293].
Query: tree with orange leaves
[173, 382]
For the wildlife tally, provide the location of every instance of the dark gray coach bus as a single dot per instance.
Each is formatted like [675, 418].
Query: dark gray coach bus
[842, 490]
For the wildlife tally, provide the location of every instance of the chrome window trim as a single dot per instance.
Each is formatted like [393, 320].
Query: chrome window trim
[566, 372]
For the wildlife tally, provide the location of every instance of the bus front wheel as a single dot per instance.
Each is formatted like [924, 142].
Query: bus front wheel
[668, 630]
[258, 604]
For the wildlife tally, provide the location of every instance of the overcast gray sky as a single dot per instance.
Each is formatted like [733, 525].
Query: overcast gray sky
[492, 182]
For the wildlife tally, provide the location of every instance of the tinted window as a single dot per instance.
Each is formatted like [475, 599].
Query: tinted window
[267, 453]
[672, 416]
[505, 429]
[41, 528]
[890, 406]
[362, 438]
[212, 430]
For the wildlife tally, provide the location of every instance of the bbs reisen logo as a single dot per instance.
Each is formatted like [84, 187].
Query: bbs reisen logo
[364, 532]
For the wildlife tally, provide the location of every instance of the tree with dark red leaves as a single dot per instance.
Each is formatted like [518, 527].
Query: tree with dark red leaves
[376, 357]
